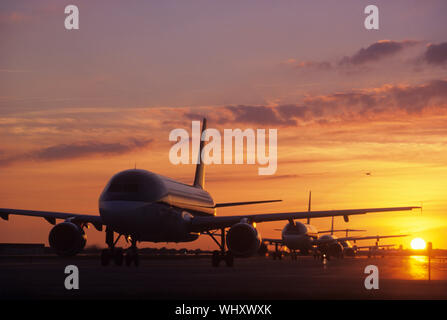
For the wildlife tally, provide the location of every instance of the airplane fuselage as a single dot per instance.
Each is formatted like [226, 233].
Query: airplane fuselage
[151, 207]
[299, 236]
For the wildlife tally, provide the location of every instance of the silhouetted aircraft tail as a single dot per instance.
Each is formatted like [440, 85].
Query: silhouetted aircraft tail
[309, 208]
[199, 177]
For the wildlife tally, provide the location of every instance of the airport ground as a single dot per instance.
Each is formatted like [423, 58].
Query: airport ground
[193, 277]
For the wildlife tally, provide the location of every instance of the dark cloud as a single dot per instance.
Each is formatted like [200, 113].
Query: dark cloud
[436, 53]
[82, 149]
[293, 111]
[260, 115]
[414, 99]
[78, 150]
[376, 51]
[383, 103]
[195, 116]
[302, 112]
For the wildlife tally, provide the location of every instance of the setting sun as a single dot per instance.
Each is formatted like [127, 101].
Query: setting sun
[417, 244]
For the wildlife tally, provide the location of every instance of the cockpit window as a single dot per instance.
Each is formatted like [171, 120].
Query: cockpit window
[123, 187]
[133, 185]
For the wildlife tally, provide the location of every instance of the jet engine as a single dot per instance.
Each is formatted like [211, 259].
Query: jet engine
[67, 239]
[350, 252]
[243, 240]
[335, 250]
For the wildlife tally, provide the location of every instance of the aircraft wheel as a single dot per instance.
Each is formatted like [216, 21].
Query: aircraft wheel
[118, 256]
[136, 259]
[215, 259]
[229, 259]
[105, 257]
[128, 258]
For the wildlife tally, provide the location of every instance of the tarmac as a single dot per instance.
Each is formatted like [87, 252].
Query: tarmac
[193, 277]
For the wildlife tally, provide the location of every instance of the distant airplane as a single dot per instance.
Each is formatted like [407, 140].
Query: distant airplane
[331, 246]
[304, 238]
[373, 250]
[144, 206]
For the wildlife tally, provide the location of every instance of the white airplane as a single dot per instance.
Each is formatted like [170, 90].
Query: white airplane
[144, 206]
[297, 236]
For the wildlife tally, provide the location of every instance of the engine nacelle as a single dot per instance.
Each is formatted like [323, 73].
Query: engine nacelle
[295, 237]
[243, 240]
[350, 252]
[335, 250]
[67, 239]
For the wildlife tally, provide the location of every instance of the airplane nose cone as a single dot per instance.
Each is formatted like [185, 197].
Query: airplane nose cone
[297, 241]
[119, 213]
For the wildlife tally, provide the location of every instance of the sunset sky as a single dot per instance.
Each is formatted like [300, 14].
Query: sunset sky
[78, 106]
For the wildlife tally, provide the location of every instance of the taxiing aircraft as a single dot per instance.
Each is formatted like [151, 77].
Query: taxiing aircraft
[297, 236]
[374, 250]
[145, 206]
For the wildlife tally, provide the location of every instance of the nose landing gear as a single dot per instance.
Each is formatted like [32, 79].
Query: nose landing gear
[132, 255]
[117, 254]
[277, 254]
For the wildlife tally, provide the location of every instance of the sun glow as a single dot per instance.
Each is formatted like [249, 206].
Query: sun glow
[418, 244]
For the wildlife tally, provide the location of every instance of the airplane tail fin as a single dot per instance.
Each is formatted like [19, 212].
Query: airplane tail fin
[309, 208]
[199, 177]
[332, 226]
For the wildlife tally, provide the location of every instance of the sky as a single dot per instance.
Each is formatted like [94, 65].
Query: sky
[77, 106]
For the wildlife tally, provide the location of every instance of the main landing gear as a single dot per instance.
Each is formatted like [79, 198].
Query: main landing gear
[293, 255]
[222, 255]
[117, 255]
[219, 256]
[277, 254]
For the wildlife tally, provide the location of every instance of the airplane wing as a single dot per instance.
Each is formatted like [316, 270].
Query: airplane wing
[379, 246]
[201, 224]
[340, 230]
[51, 217]
[371, 237]
[323, 241]
[232, 204]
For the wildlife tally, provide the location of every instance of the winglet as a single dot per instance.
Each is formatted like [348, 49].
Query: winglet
[199, 177]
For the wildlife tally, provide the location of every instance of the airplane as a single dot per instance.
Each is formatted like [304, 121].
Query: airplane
[279, 244]
[330, 245]
[143, 206]
[374, 249]
[297, 236]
